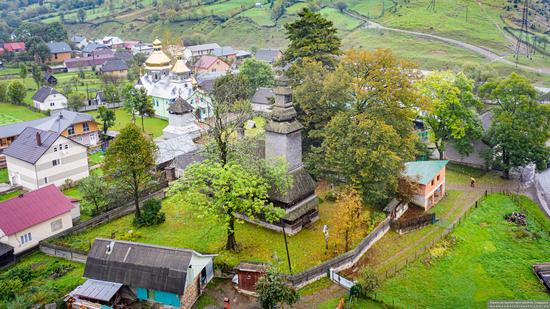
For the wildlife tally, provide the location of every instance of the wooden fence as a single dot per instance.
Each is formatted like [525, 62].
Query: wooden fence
[93, 107]
[405, 226]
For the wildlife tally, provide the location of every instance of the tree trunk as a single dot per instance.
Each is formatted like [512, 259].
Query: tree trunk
[136, 197]
[506, 164]
[346, 243]
[440, 151]
[231, 242]
[142, 125]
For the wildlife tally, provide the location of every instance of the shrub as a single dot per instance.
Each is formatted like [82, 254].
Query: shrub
[10, 287]
[130, 236]
[368, 282]
[151, 214]
[331, 196]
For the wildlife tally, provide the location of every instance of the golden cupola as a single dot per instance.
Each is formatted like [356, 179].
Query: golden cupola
[158, 60]
[180, 68]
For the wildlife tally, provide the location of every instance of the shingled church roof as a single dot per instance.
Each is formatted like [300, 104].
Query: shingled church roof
[180, 107]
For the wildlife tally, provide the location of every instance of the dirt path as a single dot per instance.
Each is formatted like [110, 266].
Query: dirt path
[489, 55]
[309, 301]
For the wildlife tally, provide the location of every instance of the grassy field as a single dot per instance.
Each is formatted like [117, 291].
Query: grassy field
[153, 125]
[4, 175]
[44, 286]
[341, 21]
[7, 196]
[259, 244]
[491, 259]
[261, 16]
[10, 113]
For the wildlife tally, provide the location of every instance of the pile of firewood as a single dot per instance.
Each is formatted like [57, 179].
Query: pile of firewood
[517, 218]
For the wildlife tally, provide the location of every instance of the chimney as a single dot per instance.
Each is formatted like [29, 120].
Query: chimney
[38, 139]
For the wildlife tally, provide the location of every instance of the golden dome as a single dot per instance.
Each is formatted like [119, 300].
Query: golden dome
[158, 59]
[180, 67]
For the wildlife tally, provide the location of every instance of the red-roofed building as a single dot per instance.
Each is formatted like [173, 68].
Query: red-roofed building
[31, 217]
[207, 64]
[14, 47]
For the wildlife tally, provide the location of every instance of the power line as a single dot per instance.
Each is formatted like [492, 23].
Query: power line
[523, 37]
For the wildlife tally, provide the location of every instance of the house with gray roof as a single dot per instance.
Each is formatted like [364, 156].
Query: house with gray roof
[38, 158]
[162, 276]
[116, 68]
[90, 48]
[48, 99]
[268, 55]
[79, 41]
[200, 50]
[59, 51]
[262, 100]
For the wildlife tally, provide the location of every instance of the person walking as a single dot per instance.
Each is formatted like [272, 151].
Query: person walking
[472, 182]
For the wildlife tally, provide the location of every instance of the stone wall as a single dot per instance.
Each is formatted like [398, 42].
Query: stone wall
[191, 294]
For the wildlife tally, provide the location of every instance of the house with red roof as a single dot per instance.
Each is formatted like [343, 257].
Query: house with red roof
[15, 47]
[31, 217]
[208, 64]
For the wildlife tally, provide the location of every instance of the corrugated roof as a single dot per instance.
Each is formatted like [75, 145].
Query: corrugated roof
[206, 62]
[93, 46]
[114, 65]
[138, 265]
[98, 290]
[5, 248]
[24, 211]
[59, 47]
[26, 146]
[43, 93]
[56, 123]
[195, 48]
[224, 51]
[425, 170]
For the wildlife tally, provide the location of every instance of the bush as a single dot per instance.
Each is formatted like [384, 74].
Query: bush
[368, 282]
[331, 196]
[151, 214]
[9, 288]
[130, 236]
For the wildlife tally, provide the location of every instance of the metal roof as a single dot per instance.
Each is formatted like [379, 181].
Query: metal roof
[43, 93]
[26, 146]
[262, 95]
[180, 107]
[5, 248]
[56, 123]
[29, 209]
[138, 265]
[114, 65]
[195, 48]
[268, 55]
[98, 290]
[426, 170]
[59, 47]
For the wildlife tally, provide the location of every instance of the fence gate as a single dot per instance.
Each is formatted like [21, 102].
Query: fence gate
[341, 281]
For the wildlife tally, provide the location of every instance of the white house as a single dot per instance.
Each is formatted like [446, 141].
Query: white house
[38, 158]
[47, 98]
[31, 217]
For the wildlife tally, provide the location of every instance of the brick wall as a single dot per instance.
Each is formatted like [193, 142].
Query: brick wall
[191, 294]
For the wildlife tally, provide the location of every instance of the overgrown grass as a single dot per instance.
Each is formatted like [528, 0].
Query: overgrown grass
[315, 287]
[184, 229]
[10, 113]
[7, 196]
[4, 178]
[153, 125]
[491, 260]
[44, 287]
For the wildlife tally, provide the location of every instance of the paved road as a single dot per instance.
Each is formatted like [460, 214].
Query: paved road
[491, 56]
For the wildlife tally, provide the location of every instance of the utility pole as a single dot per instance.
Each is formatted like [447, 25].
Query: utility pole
[286, 246]
[523, 37]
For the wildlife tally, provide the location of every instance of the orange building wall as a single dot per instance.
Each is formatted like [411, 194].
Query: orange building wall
[427, 190]
[60, 57]
[79, 128]
[218, 66]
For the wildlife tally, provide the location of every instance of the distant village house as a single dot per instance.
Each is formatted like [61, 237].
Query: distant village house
[47, 98]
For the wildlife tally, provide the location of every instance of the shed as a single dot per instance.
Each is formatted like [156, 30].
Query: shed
[6, 255]
[248, 274]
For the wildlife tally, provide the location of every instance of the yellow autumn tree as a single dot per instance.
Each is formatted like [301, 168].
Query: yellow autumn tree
[353, 218]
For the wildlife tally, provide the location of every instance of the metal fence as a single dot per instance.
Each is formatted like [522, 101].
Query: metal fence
[341, 281]
[93, 107]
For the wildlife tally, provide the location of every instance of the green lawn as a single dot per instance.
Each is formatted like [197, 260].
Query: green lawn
[152, 125]
[4, 175]
[7, 196]
[10, 113]
[96, 158]
[44, 287]
[184, 229]
[341, 21]
[261, 16]
[491, 260]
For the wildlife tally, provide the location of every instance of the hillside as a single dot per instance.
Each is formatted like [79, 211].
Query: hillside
[489, 24]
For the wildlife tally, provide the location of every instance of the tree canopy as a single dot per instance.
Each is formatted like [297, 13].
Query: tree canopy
[107, 117]
[274, 292]
[258, 73]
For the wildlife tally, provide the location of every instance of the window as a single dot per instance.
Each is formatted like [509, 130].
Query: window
[56, 225]
[54, 149]
[45, 179]
[70, 130]
[86, 127]
[26, 238]
[56, 162]
[432, 182]
[66, 146]
[437, 177]
[52, 103]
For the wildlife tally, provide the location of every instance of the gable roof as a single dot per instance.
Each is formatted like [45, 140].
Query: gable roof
[262, 95]
[206, 62]
[88, 61]
[426, 170]
[224, 51]
[77, 38]
[56, 123]
[49, 75]
[14, 46]
[93, 46]
[26, 146]
[208, 46]
[26, 210]
[139, 265]
[43, 93]
[123, 55]
[268, 55]
[59, 47]
[180, 107]
[114, 65]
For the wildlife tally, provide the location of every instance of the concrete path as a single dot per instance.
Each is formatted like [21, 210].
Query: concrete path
[489, 55]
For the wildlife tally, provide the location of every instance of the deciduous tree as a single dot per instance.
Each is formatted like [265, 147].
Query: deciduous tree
[75, 101]
[129, 161]
[81, 14]
[37, 75]
[16, 92]
[520, 127]
[93, 191]
[352, 218]
[274, 292]
[223, 191]
[107, 117]
[22, 71]
[258, 74]
[136, 101]
[452, 117]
